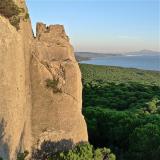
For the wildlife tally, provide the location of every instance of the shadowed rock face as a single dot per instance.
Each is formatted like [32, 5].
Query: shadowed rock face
[49, 149]
[40, 87]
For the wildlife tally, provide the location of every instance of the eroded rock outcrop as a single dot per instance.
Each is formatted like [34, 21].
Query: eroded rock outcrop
[56, 88]
[40, 87]
[15, 103]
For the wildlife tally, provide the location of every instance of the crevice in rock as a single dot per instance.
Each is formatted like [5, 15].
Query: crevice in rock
[71, 96]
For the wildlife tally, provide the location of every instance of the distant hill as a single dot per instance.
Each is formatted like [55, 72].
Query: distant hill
[83, 56]
[144, 52]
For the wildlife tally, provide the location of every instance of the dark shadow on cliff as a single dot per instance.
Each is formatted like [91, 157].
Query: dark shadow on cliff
[20, 148]
[50, 149]
[4, 149]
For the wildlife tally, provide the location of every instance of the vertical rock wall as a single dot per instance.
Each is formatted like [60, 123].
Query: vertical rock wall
[12, 89]
[56, 88]
[40, 87]
[15, 102]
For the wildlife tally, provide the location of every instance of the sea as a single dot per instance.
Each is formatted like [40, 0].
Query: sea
[139, 61]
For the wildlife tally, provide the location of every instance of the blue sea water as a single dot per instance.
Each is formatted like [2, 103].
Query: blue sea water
[147, 62]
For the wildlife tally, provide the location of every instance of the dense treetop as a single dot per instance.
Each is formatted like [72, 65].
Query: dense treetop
[122, 110]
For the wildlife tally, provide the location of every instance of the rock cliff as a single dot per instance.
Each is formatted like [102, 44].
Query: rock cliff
[40, 87]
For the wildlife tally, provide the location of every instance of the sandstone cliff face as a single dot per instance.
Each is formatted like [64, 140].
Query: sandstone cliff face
[12, 89]
[15, 103]
[56, 88]
[40, 87]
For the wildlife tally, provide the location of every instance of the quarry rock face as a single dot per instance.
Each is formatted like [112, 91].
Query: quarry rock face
[40, 89]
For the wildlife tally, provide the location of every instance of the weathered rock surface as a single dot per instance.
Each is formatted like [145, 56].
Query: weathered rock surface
[56, 111]
[15, 103]
[40, 88]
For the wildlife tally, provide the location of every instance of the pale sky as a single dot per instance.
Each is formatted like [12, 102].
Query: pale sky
[103, 25]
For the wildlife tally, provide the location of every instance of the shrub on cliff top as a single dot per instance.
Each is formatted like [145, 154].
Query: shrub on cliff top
[8, 8]
[11, 11]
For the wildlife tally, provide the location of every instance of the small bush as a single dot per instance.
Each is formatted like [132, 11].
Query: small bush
[8, 8]
[22, 10]
[103, 153]
[85, 151]
[53, 83]
[152, 106]
[11, 11]
[66, 150]
[80, 152]
[26, 16]
[15, 20]
[22, 156]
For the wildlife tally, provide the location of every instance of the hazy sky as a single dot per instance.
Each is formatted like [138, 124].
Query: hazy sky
[103, 25]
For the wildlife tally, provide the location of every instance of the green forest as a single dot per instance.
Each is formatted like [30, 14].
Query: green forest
[122, 110]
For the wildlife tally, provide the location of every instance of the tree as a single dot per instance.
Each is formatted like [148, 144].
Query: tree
[145, 143]
[85, 151]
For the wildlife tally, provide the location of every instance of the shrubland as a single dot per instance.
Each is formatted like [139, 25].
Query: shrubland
[122, 110]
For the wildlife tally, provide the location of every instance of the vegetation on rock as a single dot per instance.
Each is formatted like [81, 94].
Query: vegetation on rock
[11, 11]
[15, 20]
[22, 156]
[8, 8]
[52, 83]
[26, 16]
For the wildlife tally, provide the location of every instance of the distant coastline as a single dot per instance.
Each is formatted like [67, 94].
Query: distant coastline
[85, 56]
[79, 58]
[145, 59]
